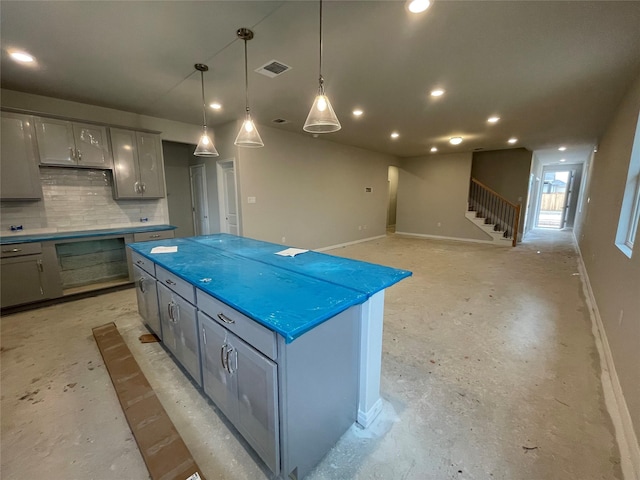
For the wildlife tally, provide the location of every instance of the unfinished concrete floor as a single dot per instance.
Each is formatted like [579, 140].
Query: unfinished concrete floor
[490, 371]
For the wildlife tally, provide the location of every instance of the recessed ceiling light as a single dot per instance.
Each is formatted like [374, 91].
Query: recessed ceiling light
[418, 6]
[22, 57]
[215, 106]
[512, 140]
[562, 149]
[434, 149]
[438, 92]
[493, 119]
[563, 159]
[395, 135]
[357, 112]
[455, 140]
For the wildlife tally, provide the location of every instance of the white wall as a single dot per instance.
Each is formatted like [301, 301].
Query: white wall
[309, 190]
[432, 197]
[614, 278]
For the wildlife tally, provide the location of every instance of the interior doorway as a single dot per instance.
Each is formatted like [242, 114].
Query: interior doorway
[555, 198]
[199, 201]
[227, 197]
[392, 204]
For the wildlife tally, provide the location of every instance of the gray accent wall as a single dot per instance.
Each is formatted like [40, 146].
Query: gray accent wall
[432, 197]
[615, 278]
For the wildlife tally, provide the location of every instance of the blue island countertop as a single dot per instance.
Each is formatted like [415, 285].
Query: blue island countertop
[44, 237]
[289, 295]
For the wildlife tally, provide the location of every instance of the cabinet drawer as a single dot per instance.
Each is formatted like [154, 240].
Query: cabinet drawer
[17, 249]
[146, 236]
[175, 283]
[144, 263]
[259, 337]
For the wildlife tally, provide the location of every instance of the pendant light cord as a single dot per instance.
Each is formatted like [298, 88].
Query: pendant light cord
[204, 105]
[321, 80]
[246, 77]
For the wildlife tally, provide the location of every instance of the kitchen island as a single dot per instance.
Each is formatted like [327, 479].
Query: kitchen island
[288, 348]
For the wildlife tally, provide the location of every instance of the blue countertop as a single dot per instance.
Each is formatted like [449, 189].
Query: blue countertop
[43, 237]
[289, 295]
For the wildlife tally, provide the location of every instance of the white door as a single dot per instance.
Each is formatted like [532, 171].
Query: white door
[199, 204]
[228, 199]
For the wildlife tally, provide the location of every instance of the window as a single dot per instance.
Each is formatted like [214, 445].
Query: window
[630, 211]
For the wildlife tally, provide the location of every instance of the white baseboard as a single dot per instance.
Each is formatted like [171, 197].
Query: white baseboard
[340, 245]
[613, 395]
[457, 239]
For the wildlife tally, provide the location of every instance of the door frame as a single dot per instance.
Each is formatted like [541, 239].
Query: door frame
[204, 208]
[221, 165]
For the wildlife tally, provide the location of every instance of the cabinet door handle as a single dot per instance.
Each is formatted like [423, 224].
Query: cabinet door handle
[141, 285]
[40, 266]
[72, 154]
[173, 311]
[235, 352]
[168, 281]
[222, 357]
[136, 187]
[225, 319]
[144, 187]
[12, 250]
[79, 155]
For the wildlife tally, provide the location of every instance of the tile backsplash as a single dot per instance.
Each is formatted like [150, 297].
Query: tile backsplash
[78, 199]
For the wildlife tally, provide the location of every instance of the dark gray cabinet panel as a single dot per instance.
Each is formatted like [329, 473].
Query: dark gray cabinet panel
[147, 295]
[179, 330]
[20, 179]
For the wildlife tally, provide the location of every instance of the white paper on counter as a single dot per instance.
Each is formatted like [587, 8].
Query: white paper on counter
[291, 252]
[164, 249]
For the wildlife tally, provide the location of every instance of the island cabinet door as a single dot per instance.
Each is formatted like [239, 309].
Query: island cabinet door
[218, 383]
[257, 378]
[147, 299]
[179, 330]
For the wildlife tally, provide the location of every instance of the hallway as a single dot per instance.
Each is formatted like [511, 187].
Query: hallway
[490, 371]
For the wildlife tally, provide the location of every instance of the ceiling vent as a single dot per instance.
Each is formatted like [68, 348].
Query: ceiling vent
[273, 69]
[280, 121]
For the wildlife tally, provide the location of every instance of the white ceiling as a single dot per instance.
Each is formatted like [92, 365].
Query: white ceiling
[554, 71]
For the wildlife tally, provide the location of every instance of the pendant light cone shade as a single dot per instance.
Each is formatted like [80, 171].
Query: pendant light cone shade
[321, 118]
[248, 135]
[205, 147]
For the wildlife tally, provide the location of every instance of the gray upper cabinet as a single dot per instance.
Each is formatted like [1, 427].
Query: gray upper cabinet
[73, 144]
[137, 164]
[20, 179]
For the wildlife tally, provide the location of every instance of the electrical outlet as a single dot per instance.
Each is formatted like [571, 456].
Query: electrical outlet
[439, 224]
[144, 219]
[284, 239]
[359, 227]
[16, 228]
[251, 199]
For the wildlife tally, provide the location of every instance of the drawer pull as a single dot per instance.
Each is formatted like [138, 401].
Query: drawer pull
[168, 281]
[139, 262]
[12, 250]
[225, 319]
[154, 236]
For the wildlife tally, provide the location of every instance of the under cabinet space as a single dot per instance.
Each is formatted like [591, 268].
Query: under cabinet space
[84, 264]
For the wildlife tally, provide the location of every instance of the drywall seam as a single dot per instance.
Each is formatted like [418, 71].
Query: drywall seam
[340, 245]
[457, 239]
[613, 395]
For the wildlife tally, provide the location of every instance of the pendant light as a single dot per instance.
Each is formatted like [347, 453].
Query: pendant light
[321, 118]
[248, 135]
[205, 146]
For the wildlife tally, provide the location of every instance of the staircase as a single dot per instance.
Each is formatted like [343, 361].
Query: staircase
[493, 213]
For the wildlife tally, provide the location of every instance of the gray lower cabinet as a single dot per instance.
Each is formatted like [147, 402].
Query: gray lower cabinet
[243, 383]
[147, 295]
[179, 330]
[27, 274]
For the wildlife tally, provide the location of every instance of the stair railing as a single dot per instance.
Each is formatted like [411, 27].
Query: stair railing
[495, 209]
